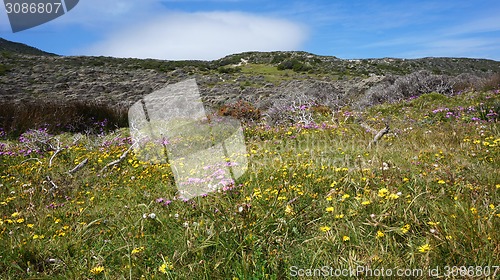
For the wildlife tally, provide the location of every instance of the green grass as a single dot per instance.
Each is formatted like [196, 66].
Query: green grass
[270, 72]
[426, 196]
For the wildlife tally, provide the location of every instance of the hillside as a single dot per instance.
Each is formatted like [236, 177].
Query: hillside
[359, 174]
[7, 46]
[265, 80]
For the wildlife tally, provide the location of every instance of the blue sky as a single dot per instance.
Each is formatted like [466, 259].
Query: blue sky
[211, 29]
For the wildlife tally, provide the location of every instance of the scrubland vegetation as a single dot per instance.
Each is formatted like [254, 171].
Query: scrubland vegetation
[426, 195]
[319, 192]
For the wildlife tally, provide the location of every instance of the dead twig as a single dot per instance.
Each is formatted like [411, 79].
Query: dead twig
[79, 166]
[379, 135]
[115, 162]
[26, 160]
[54, 186]
[57, 149]
[53, 156]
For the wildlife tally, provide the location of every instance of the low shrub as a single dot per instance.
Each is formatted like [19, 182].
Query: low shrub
[295, 65]
[393, 89]
[3, 69]
[90, 118]
[241, 110]
[491, 83]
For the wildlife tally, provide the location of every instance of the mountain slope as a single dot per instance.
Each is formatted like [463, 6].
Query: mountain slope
[9, 46]
[250, 76]
[270, 81]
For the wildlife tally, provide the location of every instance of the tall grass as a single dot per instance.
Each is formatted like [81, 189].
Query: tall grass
[426, 196]
[16, 118]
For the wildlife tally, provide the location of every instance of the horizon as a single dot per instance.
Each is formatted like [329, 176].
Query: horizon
[233, 54]
[210, 30]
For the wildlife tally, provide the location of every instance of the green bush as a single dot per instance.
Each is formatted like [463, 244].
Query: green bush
[295, 65]
[228, 70]
[3, 69]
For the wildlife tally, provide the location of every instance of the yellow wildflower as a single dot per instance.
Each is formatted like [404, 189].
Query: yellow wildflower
[405, 228]
[137, 250]
[329, 209]
[325, 228]
[165, 266]
[345, 238]
[97, 270]
[393, 196]
[383, 192]
[36, 236]
[380, 234]
[424, 248]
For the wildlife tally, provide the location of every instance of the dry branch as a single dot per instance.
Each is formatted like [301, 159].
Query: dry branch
[79, 166]
[53, 156]
[379, 135]
[57, 149]
[54, 186]
[120, 159]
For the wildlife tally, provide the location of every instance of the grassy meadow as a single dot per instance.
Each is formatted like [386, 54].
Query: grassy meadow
[426, 195]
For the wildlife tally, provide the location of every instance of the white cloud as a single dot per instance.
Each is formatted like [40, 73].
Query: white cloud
[98, 14]
[204, 36]
[466, 39]
[457, 47]
[485, 24]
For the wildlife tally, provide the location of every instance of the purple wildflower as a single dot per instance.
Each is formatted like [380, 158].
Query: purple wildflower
[167, 202]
